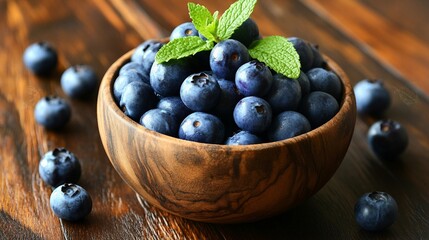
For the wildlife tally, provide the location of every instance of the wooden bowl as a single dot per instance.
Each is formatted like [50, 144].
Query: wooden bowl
[220, 183]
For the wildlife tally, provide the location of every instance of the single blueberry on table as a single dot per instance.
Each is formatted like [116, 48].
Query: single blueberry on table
[70, 202]
[375, 211]
[284, 95]
[226, 57]
[387, 139]
[286, 125]
[325, 81]
[253, 78]
[145, 54]
[41, 58]
[200, 92]
[160, 121]
[253, 114]
[175, 106]
[186, 29]
[59, 166]
[126, 77]
[52, 112]
[318, 107]
[372, 97]
[202, 127]
[137, 98]
[79, 81]
[247, 33]
[243, 138]
[303, 48]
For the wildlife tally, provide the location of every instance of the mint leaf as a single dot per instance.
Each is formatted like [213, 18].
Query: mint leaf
[233, 17]
[182, 47]
[278, 54]
[202, 20]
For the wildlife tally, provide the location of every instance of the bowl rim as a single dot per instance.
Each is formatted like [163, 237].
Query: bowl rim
[106, 89]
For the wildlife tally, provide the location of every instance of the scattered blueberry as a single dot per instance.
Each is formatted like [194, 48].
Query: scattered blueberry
[186, 29]
[243, 138]
[79, 81]
[52, 112]
[372, 97]
[161, 121]
[375, 211]
[325, 81]
[70, 202]
[387, 139]
[202, 127]
[286, 125]
[284, 95]
[137, 98]
[40, 58]
[226, 57]
[319, 107]
[59, 166]
[253, 114]
[253, 78]
[200, 92]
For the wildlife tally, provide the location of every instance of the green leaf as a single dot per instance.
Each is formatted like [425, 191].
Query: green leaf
[182, 47]
[202, 20]
[233, 17]
[278, 54]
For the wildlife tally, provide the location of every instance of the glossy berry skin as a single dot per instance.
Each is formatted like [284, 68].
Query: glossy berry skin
[253, 78]
[175, 106]
[243, 138]
[52, 112]
[375, 211]
[145, 54]
[226, 57]
[247, 33]
[200, 92]
[160, 121]
[325, 81]
[79, 81]
[319, 107]
[372, 97]
[284, 95]
[202, 127]
[126, 77]
[137, 98]
[304, 51]
[186, 29]
[229, 97]
[387, 139]
[253, 114]
[286, 125]
[70, 202]
[59, 166]
[166, 78]
[41, 58]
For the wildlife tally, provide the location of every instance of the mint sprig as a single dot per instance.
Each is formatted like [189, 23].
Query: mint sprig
[275, 51]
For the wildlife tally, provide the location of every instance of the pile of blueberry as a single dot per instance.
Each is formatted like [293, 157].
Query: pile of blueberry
[223, 96]
[59, 168]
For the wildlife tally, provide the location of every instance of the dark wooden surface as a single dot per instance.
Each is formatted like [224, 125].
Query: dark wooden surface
[369, 39]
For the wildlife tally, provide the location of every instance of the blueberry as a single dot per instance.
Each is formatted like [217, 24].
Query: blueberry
[137, 98]
[79, 81]
[161, 121]
[200, 92]
[243, 138]
[247, 33]
[70, 202]
[126, 77]
[145, 54]
[40, 58]
[318, 59]
[387, 139]
[137, 69]
[166, 78]
[175, 106]
[375, 211]
[304, 51]
[253, 114]
[202, 127]
[186, 29]
[319, 107]
[304, 83]
[226, 57]
[284, 95]
[286, 125]
[253, 78]
[58, 167]
[229, 97]
[325, 81]
[52, 112]
[372, 97]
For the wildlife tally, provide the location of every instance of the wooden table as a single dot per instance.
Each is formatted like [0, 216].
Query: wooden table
[370, 39]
